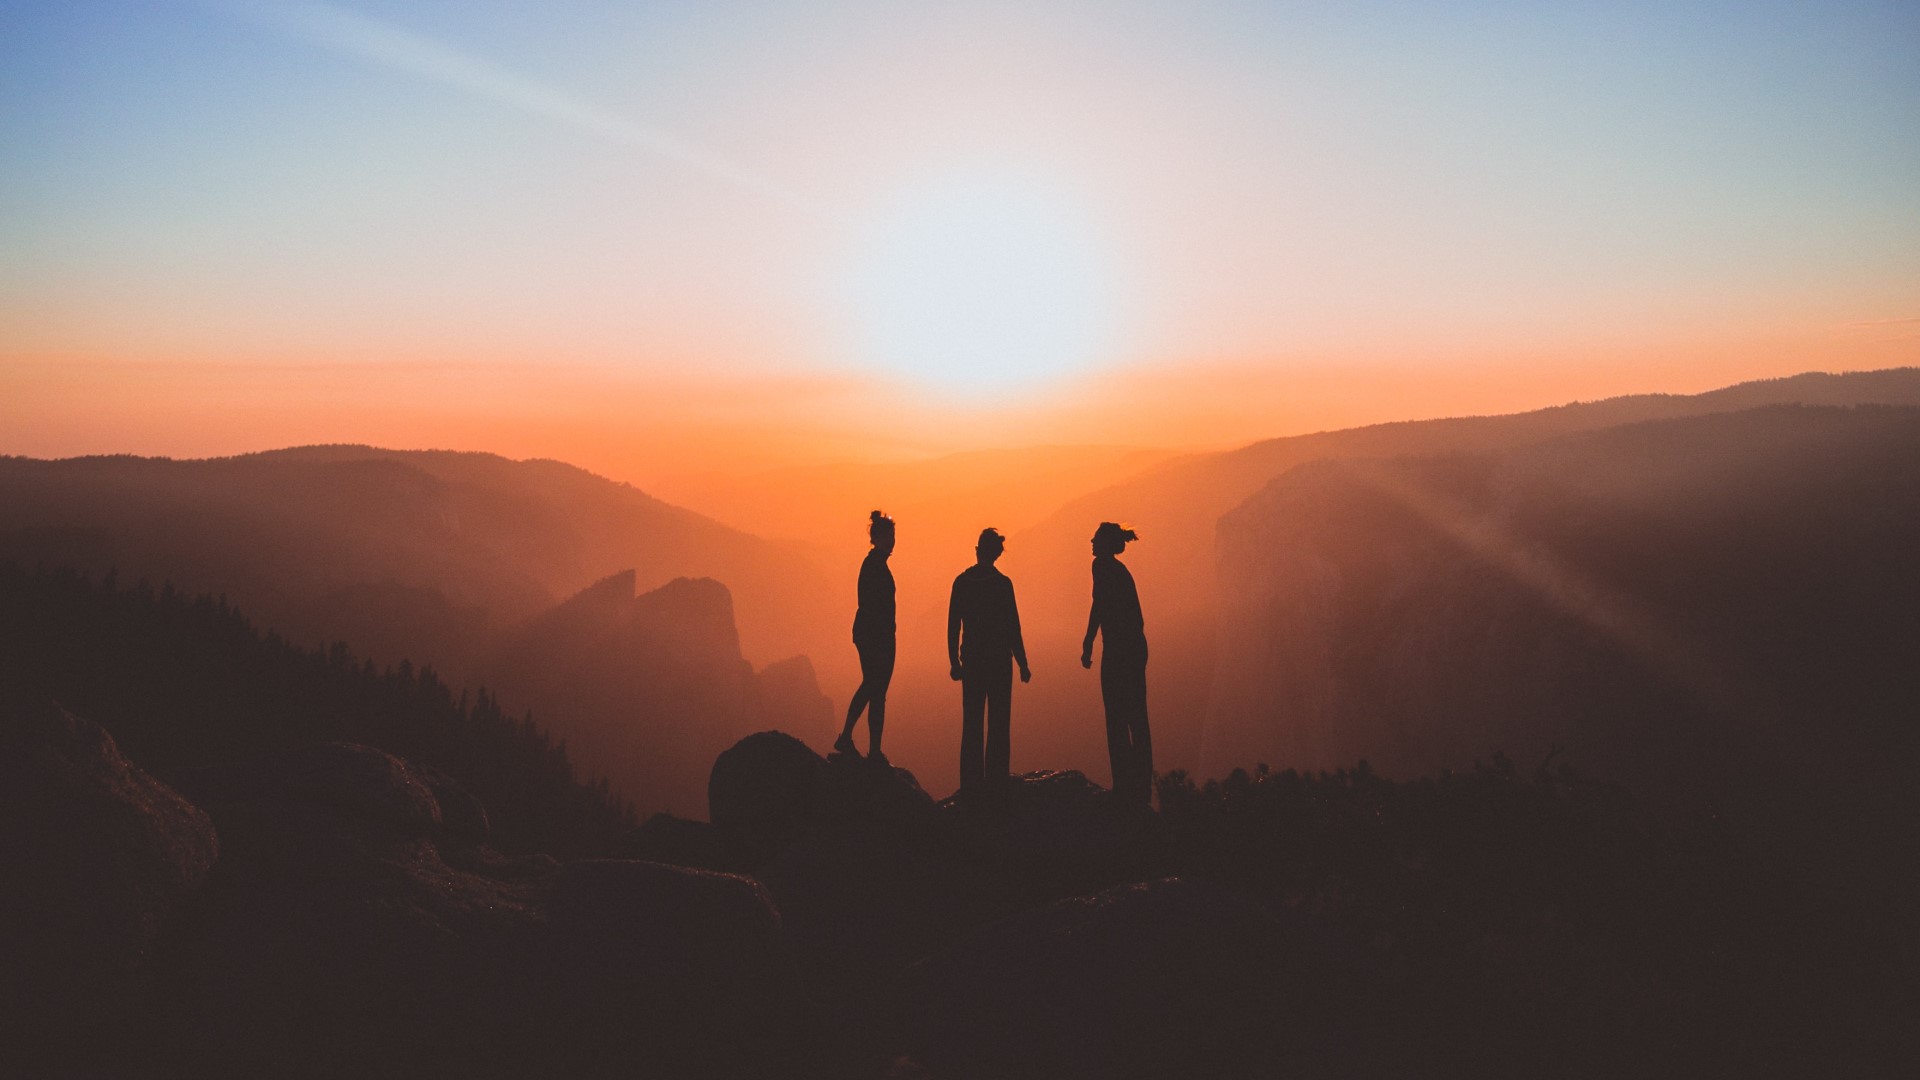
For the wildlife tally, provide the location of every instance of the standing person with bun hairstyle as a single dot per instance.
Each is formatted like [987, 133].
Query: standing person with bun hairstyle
[873, 629]
[1123, 665]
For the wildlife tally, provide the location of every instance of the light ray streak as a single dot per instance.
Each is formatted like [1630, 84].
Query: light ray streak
[385, 45]
[1626, 621]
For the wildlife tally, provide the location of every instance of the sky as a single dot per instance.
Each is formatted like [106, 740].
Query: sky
[661, 238]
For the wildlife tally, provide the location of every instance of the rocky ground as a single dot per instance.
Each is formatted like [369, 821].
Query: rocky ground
[335, 911]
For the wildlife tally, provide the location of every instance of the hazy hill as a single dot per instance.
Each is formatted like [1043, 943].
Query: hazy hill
[1725, 606]
[1176, 506]
[405, 553]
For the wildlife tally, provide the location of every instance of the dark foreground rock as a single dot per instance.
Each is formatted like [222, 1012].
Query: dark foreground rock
[353, 926]
[339, 912]
[1163, 978]
[763, 789]
[95, 855]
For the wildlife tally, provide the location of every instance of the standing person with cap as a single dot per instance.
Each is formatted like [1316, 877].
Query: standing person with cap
[1123, 665]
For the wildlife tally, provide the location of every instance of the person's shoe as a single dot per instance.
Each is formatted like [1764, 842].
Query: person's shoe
[879, 760]
[844, 745]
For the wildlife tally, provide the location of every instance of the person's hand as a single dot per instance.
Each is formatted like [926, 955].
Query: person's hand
[1025, 675]
[1086, 658]
[955, 673]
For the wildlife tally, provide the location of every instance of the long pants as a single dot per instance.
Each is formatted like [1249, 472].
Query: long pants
[986, 702]
[1123, 688]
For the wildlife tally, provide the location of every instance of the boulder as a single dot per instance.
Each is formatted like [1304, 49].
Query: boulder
[97, 856]
[770, 790]
[765, 789]
[1164, 978]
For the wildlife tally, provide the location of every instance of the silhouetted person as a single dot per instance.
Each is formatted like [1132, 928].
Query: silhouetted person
[873, 638]
[983, 643]
[1123, 664]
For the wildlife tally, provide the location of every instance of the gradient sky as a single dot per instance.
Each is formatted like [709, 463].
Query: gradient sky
[637, 235]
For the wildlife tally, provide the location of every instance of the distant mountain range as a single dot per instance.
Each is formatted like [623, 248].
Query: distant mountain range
[563, 590]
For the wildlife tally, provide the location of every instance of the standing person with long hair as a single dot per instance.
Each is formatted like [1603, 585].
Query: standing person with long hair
[1123, 665]
[873, 629]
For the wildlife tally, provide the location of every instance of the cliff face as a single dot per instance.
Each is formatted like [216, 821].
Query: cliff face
[642, 687]
[1676, 603]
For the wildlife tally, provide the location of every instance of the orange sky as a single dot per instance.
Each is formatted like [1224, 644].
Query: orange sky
[658, 433]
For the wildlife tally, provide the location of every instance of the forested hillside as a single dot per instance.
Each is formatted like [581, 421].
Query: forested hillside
[184, 681]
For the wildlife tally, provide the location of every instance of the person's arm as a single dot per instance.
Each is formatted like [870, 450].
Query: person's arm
[1019, 646]
[1093, 624]
[953, 630]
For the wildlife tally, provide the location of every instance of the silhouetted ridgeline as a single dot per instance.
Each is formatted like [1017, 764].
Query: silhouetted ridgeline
[184, 681]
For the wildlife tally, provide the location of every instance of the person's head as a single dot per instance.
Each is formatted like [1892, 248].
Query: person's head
[880, 530]
[1111, 538]
[990, 546]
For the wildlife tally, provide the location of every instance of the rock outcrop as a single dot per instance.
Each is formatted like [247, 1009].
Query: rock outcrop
[96, 855]
[348, 902]
[770, 789]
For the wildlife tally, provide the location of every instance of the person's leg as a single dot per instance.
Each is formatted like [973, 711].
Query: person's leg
[875, 683]
[862, 697]
[1141, 737]
[999, 714]
[1119, 731]
[973, 703]
[859, 702]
